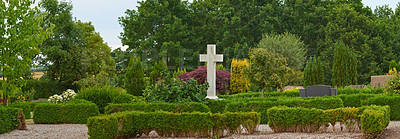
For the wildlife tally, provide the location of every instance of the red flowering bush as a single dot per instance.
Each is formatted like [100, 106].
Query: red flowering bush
[200, 74]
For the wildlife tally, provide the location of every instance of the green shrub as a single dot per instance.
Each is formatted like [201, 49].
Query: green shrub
[134, 77]
[100, 96]
[354, 100]
[152, 107]
[75, 111]
[391, 101]
[104, 127]
[217, 106]
[33, 104]
[8, 119]
[25, 108]
[374, 120]
[166, 124]
[123, 98]
[258, 94]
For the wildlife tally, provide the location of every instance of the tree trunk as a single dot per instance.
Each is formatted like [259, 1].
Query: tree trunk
[262, 94]
[5, 100]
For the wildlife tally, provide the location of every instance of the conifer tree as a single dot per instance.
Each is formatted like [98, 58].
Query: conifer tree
[134, 77]
[314, 72]
[239, 83]
[159, 70]
[344, 66]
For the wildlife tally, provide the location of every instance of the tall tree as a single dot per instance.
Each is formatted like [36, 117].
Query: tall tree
[313, 72]
[20, 35]
[62, 53]
[266, 69]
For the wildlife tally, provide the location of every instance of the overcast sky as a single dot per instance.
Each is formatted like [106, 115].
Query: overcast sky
[104, 15]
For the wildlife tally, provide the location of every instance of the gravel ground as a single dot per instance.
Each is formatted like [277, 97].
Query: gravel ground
[79, 131]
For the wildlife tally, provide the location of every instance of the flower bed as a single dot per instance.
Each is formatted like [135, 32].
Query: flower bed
[166, 124]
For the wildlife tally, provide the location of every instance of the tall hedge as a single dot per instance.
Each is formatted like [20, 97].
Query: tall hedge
[344, 68]
[100, 96]
[8, 119]
[134, 77]
[239, 81]
[314, 72]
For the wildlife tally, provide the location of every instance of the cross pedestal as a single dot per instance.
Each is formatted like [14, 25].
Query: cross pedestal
[211, 58]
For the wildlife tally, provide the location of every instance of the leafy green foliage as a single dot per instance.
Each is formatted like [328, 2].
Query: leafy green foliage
[393, 65]
[9, 119]
[100, 96]
[314, 72]
[153, 107]
[158, 73]
[20, 36]
[267, 69]
[134, 78]
[124, 98]
[174, 90]
[217, 106]
[344, 69]
[393, 84]
[46, 88]
[179, 71]
[74, 111]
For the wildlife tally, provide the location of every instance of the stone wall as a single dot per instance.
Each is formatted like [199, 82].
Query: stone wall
[379, 81]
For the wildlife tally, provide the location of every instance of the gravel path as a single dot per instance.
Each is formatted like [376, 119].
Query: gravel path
[79, 131]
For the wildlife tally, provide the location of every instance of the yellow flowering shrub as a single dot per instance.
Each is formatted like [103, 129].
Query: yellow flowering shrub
[393, 84]
[239, 83]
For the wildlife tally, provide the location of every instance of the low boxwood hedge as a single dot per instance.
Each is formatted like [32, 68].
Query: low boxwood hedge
[152, 107]
[258, 94]
[76, 111]
[263, 106]
[24, 106]
[391, 100]
[167, 124]
[8, 119]
[354, 100]
[373, 119]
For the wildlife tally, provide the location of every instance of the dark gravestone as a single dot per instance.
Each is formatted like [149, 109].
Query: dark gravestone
[318, 91]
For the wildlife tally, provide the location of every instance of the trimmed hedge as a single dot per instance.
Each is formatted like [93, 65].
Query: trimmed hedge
[354, 100]
[373, 119]
[8, 119]
[382, 100]
[25, 108]
[263, 106]
[217, 106]
[258, 94]
[152, 107]
[349, 91]
[166, 124]
[76, 111]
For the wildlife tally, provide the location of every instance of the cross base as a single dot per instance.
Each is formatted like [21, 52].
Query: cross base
[212, 97]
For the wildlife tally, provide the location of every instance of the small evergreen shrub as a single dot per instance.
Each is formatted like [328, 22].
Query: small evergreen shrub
[100, 96]
[239, 82]
[374, 120]
[313, 72]
[134, 77]
[152, 107]
[124, 98]
[284, 119]
[9, 119]
[200, 75]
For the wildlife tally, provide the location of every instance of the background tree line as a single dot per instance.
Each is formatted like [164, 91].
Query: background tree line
[179, 31]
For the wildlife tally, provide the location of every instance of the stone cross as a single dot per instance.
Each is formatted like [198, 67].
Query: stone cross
[211, 58]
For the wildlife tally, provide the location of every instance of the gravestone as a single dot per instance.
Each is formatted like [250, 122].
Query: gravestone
[211, 58]
[318, 91]
[379, 81]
